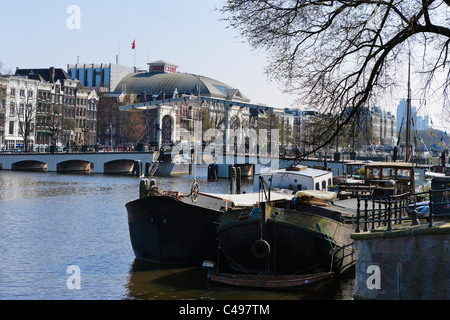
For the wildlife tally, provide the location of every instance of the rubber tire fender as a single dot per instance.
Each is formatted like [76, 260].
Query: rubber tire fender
[261, 249]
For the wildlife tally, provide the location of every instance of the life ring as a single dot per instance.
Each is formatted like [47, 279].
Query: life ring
[194, 191]
[180, 195]
[261, 249]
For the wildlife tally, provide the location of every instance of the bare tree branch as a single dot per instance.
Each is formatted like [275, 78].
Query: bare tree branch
[340, 55]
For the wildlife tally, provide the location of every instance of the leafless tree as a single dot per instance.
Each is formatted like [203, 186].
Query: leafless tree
[346, 54]
[26, 114]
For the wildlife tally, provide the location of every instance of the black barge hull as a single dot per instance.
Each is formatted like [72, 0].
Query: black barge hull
[295, 242]
[168, 231]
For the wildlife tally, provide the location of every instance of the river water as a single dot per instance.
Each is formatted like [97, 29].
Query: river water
[65, 237]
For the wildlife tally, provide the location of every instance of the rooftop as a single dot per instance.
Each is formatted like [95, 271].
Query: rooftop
[163, 78]
[47, 74]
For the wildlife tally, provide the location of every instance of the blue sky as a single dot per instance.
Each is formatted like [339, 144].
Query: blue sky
[186, 33]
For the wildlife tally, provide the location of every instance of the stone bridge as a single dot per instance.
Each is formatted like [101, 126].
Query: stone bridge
[98, 162]
[124, 163]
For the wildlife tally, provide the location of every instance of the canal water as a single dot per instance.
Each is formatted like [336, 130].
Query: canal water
[65, 237]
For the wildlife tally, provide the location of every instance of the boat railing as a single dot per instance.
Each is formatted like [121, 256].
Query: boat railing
[376, 212]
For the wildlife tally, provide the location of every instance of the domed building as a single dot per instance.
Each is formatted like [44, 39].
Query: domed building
[171, 100]
[164, 81]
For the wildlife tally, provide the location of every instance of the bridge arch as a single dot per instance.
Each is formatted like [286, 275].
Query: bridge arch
[119, 166]
[29, 165]
[78, 166]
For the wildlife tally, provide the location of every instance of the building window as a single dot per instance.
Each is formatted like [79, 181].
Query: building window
[81, 76]
[89, 77]
[106, 77]
[98, 77]
[11, 127]
[73, 73]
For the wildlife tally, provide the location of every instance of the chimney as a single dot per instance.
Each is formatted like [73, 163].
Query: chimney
[52, 75]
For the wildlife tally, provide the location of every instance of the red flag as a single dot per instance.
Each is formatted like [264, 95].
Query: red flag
[133, 45]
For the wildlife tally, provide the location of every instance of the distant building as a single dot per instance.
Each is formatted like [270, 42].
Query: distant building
[50, 75]
[301, 121]
[86, 117]
[18, 110]
[377, 126]
[423, 123]
[175, 107]
[63, 112]
[163, 80]
[420, 123]
[383, 126]
[3, 94]
[103, 76]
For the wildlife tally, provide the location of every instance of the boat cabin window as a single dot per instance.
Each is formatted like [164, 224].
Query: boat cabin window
[403, 173]
[324, 185]
[388, 173]
[317, 186]
[374, 173]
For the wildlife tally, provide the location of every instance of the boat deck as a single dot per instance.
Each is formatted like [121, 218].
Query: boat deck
[249, 199]
[348, 204]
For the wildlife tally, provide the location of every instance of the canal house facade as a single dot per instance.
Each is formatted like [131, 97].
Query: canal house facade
[54, 109]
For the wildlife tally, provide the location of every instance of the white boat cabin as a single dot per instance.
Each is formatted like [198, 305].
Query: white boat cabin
[296, 178]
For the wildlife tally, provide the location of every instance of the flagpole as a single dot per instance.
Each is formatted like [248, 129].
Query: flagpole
[133, 46]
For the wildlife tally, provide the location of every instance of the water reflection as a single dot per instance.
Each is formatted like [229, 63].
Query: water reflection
[152, 282]
[25, 186]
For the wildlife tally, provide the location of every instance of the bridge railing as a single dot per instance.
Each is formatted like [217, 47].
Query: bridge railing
[78, 149]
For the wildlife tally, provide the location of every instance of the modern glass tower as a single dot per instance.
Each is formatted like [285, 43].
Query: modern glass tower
[99, 75]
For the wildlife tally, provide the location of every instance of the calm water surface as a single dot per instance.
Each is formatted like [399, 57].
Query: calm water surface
[51, 221]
